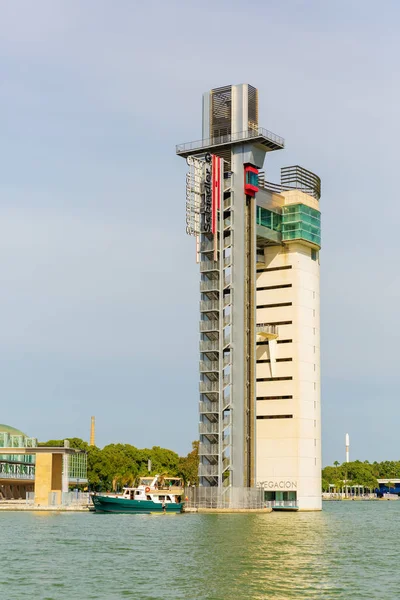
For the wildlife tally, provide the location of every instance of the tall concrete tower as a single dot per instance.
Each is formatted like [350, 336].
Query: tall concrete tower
[347, 443]
[92, 431]
[258, 252]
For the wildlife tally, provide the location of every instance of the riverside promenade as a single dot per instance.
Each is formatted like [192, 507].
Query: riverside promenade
[24, 506]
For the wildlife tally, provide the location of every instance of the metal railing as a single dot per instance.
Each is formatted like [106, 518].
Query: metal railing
[282, 503]
[227, 261]
[224, 497]
[209, 265]
[227, 280]
[205, 470]
[227, 340]
[226, 462]
[227, 222]
[209, 305]
[293, 178]
[231, 138]
[209, 346]
[267, 329]
[207, 246]
[228, 201]
[227, 421]
[208, 428]
[208, 408]
[208, 449]
[226, 442]
[210, 325]
[211, 285]
[228, 241]
[227, 320]
[208, 386]
[26, 476]
[209, 366]
[260, 258]
[74, 498]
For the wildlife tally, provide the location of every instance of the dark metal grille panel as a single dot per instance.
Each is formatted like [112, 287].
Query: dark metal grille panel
[221, 111]
[253, 107]
[293, 178]
[300, 179]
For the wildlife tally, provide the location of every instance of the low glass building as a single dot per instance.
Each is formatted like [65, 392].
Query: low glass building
[17, 471]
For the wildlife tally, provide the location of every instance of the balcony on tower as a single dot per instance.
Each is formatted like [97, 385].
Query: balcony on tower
[210, 389]
[257, 136]
[210, 409]
[207, 449]
[210, 328]
[209, 266]
[208, 286]
[208, 470]
[209, 429]
[267, 331]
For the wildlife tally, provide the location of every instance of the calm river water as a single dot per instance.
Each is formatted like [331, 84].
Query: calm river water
[350, 550]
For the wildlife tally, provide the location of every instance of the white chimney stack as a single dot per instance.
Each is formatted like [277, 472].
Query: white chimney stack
[347, 448]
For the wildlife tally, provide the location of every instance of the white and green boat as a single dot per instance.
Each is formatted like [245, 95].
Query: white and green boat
[153, 495]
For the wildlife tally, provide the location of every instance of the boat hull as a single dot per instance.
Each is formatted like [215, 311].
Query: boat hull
[107, 504]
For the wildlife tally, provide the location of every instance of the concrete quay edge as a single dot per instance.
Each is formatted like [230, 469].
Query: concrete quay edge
[25, 507]
[209, 511]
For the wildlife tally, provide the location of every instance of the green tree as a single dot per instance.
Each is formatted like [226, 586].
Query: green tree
[336, 463]
[189, 466]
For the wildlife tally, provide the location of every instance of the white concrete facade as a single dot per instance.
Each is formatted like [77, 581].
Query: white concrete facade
[288, 405]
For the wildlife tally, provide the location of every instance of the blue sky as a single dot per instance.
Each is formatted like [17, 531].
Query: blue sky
[99, 289]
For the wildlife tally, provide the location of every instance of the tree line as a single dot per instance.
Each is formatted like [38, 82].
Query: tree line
[359, 473]
[116, 465]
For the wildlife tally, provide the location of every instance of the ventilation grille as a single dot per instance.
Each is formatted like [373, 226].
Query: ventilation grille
[253, 107]
[221, 111]
[226, 155]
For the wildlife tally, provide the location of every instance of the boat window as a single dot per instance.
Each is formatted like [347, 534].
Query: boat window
[148, 497]
[161, 498]
[138, 493]
[168, 498]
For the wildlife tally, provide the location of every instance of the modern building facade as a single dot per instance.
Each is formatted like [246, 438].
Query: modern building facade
[258, 252]
[17, 471]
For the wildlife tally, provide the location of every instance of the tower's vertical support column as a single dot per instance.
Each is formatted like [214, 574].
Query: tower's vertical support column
[239, 387]
[250, 342]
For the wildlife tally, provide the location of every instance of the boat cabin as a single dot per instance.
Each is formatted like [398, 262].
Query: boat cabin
[146, 494]
[158, 482]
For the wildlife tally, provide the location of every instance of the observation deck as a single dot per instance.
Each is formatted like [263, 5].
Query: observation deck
[259, 137]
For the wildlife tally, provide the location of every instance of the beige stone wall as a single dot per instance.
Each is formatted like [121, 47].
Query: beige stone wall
[48, 477]
[289, 449]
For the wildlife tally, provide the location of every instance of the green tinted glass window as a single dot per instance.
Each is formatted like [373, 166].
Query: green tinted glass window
[269, 219]
[301, 222]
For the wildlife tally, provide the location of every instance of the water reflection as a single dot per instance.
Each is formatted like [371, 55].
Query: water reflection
[265, 556]
[347, 551]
